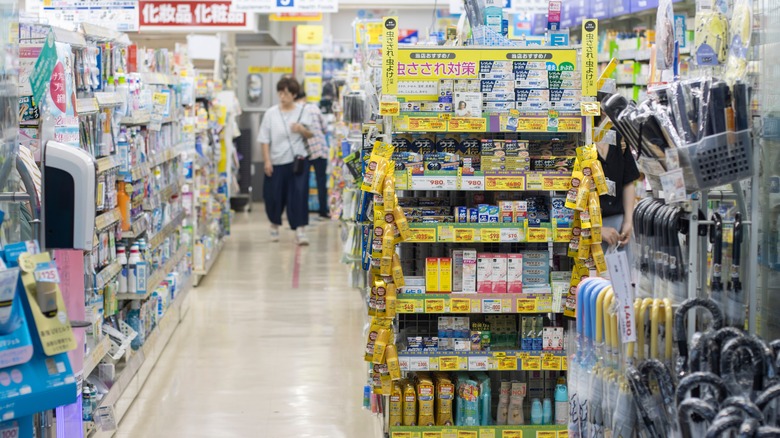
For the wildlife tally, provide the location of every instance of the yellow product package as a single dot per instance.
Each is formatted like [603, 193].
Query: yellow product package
[386, 382]
[372, 301]
[574, 188]
[377, 324]
[582, 253]
[396, 409]
[391, 301]
[445, 400]
[391, 357]
[377, 168]
[598, 258]
[586, 236]
[587, 153]
[382, 339]
[388, 194]
[581, 202]
[595, 235]
[410, 405]
[381, 297]
[388, 247]
[401, 223]
[398, 272]
[425, 400]
[597, 173]
[594, 209]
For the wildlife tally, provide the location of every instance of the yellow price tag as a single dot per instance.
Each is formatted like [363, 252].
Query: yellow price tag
[570, 124]
[526, 305]
[523, 355]
[563, 235]
[490, 235]
[512, 434]
[538, 124]
[532, 363]
[545, 434]
[460, 305]
[590, 109]
[435, 305]
[460, 124]
[464, 235]
[389, 108]
[564, 365]
[563, 434]
[537, 235]
[423, 235]
[487, 433]
[402, 435]
[551, 362]
[445, 116]
[448, 363]
[467, 434]
[431, 435]
[446, 233]
[476, 305]
[504, 183]
[556, 183]
[507, 363]
[405, 306]
[256, 69]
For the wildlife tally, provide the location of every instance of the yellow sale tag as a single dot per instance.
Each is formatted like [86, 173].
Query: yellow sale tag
[526, 305]
[423, 235]
[446, 233]
[570, 124]
[389, 108]
[435, 305]
[487, 433]
[564, 365]
[545, 434]
[402, 435]
[551, 362]
[461, 124]
[445, 116]
[537, 235]
[421, 124]
[563, 434]
[532, 363]
[467, 434]
[406, 306]
[563, 235]
[504, 183]
[537, 124]
[431, 435]
[507, 363]
[448, 363]
[556, 183]
[476, 306]
[465, 235]
[460, 305]
[490, 235]
[512, 434]
[590, 109]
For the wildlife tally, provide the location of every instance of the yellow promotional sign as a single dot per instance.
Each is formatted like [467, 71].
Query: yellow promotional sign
[369, 32]
[282, 70]
[390, 55]
[313, 86]
[590, 62]
[309, 34]
[389, 108]
[258, 69]
[312, 63]
[296, 16]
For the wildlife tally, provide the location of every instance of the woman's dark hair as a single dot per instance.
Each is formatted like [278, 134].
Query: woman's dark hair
[301, 94]
[289, 84]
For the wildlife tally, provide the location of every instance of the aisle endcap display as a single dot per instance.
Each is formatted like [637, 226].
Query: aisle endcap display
[536, 300]
[478, 432]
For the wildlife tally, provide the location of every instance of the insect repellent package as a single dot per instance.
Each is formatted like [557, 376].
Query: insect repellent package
[400, 221]
[378, 163]
[396, 408]
[397, 272]
[389, 197]
[425, 400]
[598, 258]
[594, 209]
[410, 405]
[382, 339]
[571, 195]
[377, 324]
[593, 169]
[445, 399]
[391, 301]
[391, 357]
[581, 202]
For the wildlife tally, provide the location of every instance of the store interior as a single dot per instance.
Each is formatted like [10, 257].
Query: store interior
[549, 218]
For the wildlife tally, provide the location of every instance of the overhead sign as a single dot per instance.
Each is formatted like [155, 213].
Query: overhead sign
[164, 14]
[296, 16]
[309, 35]
[283, 6]
[119, 15]
[510, 6]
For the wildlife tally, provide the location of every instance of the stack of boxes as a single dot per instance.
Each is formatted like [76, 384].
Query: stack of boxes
[497, 85]
[505, 156]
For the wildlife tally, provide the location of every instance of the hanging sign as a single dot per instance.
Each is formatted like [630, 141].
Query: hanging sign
[284, 6]
[308, 35]
[390, 55]
[119, 15]
[590, 76]
[296, 16]
[164, 14]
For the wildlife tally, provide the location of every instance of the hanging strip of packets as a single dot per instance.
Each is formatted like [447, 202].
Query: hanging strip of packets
[588, 182]
[386, 274]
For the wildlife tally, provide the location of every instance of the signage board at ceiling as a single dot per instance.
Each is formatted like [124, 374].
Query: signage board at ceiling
[167, 14]
[119, 15]
[296, 16]
[510, 6]
[279, 6]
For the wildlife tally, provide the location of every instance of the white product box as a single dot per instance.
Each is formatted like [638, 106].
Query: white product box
[485, 273]
[498, 97]
[466, 86]
[499, 264]
[498, 106]
[410, 106]
[497, 76]
[514, 274]
[457, 270]
[529, 65]
[469, 273]
[467, 104]
[496, 67]
[530, 74]
[494, 86]
[531, 83]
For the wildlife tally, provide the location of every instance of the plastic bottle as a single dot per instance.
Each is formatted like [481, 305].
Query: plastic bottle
[123, 150]
[123, 201]
[547, 411]
[561, 404]
[121, 258]
[86, 404]
[134, 321]
[135, 257]
[494, 14]
[142, 267]
[536, 412]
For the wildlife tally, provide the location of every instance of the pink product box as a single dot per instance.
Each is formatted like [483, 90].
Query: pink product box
[514, 274]
[484, 273]
[499, 264]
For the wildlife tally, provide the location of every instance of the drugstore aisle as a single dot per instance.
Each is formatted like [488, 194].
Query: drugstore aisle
[258, 357]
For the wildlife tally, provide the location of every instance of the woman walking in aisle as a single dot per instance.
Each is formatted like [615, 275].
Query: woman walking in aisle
[318, 151]
[283, 135]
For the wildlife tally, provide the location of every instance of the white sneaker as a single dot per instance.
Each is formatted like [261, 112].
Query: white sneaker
[300, 236]
[274, 234]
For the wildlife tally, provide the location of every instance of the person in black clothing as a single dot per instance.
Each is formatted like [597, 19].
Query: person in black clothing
[617, 207]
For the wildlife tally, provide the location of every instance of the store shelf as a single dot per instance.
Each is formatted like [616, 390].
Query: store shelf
[137, 228]
[166, 231]
[109, 99]
[157, 277]
[144, 169]
[107, 274]
[495, 232]
[107, 163]
[107, 219]
[539, 300]
[448, 181]
[210, 260]
[137, 369]
[490, 123]
[94, 357]
[510, 360]
[159, 79]
[479, 431]
[87, 105]
[138, 118]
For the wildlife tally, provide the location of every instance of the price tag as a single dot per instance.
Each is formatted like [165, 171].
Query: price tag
[504, 183]
[461, 124]
[464, 235]
[402, 435]
[389, 108]
[570, 124]
[487, 433]
[551, 362]
[445, 116]
[507, 363]
[476, 305]
[431, 435]
[490, 235]
[478, 363]
[435, 182]
[532, 363]
[467, 434]
[47, 273]
[406, 306]
[556, 183]
[512, 434]
[563, 235]
[563, 434]
[510, 235]
[448, 363]
[403, 363]
[506, 305]
[419, 363]
[526, 305]
[546, 434]
[537, 124]
[423, 235]
[9, 429]
[491, 306]
[564, 365]
[544, 304]
[435, 305]
[446, 233]
[538, 235]
[460, 305]
[470, 182]
[590, 109]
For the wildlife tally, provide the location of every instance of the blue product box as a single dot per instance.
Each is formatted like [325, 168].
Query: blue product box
[461, 215]
[473, 217]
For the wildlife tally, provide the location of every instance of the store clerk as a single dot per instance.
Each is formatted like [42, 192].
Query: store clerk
[617, 206]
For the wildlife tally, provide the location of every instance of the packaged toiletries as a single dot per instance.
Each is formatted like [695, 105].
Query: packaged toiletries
[425, 400]
[469, 271]
[485, 273]
[499, 276]
[409, 405]
[573, 193]
[502, 410]
[515, 410]
[536, 412]
[561, 405]
[397, 272]
[391, 301]
[445, 275]
[514, 271]
[391, 358]
[485, 412]
[376, 325]
[401, 223]
[377, 167]
[468, 401]
[395, 410]
[382, 339]
[445, 400]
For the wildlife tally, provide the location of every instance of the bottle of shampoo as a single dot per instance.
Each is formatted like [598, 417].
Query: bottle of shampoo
[561, 404]
[121, 258]
[135, 257]
[141, 267]
[134, 321]
[536, 412]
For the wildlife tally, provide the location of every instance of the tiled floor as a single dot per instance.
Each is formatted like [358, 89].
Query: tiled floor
[256, 357]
